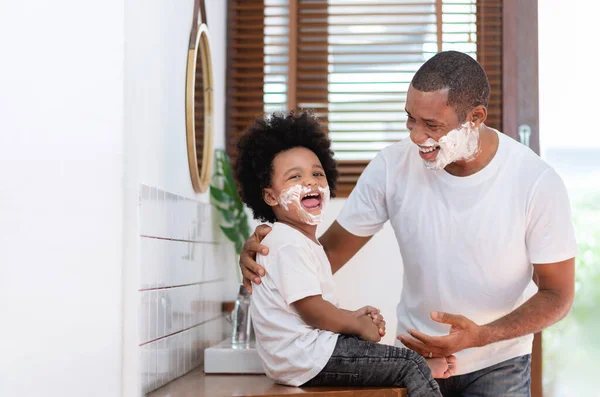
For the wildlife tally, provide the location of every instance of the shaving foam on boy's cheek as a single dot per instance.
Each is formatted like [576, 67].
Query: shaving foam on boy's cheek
[293, 194]
[459, 144]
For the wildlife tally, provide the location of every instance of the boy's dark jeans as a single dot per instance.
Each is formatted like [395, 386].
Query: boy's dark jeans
[358, 363]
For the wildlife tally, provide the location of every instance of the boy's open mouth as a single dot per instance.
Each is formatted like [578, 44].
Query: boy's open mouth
[311, 201]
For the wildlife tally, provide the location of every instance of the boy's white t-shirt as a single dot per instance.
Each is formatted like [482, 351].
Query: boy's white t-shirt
[467, 243]
[292, 352]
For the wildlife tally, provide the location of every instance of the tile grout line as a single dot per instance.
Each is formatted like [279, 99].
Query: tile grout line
[183, 330]
[182, 285]
[182, 240]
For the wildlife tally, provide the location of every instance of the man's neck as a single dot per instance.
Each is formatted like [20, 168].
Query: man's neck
[488, 146]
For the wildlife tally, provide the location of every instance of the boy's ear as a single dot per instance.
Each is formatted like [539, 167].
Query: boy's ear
[269, 197]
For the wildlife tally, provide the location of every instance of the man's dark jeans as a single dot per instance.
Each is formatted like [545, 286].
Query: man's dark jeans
[511, 378]
[358, 363]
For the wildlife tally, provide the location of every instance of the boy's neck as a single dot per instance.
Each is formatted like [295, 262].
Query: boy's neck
[310, 231]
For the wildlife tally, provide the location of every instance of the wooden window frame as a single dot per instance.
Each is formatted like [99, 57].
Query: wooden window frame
[307, 86]
[521, 105]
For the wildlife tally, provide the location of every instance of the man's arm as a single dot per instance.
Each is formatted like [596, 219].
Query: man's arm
[552, 302]
[340, 245]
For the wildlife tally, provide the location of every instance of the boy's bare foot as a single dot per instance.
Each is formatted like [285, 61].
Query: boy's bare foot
[442, 368]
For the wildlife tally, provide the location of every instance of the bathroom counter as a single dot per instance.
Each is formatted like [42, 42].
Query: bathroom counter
[198, 384]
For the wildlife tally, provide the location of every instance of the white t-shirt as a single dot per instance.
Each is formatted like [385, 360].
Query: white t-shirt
[292, 352]
[467, 243]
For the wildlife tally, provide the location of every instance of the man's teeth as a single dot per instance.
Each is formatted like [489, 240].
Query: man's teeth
[427, 149]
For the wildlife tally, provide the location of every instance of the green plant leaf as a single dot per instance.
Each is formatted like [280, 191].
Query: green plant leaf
[229, 190]
[238, 204]
[243, 226]
[228, 216]
[225, 172]
[219, 195]
[231, 233]
[225, 198]
[228, 173]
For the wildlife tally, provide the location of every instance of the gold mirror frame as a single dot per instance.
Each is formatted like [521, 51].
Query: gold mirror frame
[199, 142]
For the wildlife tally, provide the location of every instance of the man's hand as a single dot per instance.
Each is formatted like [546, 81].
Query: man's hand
[556, 289]
[464, 334]
[375, 315]
[252, 271]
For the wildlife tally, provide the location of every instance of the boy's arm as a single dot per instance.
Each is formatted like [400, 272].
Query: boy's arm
[319, 313]
[373, 313]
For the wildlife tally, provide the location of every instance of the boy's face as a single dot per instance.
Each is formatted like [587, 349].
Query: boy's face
[299, 191]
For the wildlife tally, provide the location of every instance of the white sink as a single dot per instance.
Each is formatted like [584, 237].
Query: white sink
[224, 359]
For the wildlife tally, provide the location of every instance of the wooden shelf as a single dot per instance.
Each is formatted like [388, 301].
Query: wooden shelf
[197, 384]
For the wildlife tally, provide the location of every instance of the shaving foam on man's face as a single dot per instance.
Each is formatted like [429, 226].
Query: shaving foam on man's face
[459, 144]
[308, 202]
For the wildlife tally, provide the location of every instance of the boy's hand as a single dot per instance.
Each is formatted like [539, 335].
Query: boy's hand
[368, 330]
[365, 310]
[375, 315]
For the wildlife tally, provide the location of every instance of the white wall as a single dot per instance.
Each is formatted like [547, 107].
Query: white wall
[173, 252]
[91, 107]
[568, 40]
[157, 36]
[61, 197]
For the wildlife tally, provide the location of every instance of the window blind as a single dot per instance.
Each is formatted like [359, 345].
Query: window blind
[350, 62]
[489, 54]
[245, 67]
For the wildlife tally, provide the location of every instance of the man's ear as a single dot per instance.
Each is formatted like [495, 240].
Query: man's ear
[269, 197]
[478, 115]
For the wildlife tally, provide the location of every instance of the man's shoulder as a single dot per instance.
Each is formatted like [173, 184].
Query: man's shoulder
[522, 160]
[395, 157]
[401, 148]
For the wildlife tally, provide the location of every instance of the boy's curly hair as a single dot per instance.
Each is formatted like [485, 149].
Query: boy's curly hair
[263, 140]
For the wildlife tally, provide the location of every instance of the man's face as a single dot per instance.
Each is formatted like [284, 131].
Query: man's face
[429, 116]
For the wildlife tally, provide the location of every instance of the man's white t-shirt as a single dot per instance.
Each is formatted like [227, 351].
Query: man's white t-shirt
[292, 352]
[467, 243]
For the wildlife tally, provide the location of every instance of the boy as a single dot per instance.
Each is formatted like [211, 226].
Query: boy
[287, 173]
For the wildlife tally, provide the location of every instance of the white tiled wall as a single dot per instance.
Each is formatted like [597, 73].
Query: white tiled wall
[183, 268]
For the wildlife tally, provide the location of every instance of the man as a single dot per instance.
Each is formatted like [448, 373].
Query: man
[480, 220]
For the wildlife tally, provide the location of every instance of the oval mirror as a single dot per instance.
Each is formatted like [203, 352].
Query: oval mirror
[199, 103]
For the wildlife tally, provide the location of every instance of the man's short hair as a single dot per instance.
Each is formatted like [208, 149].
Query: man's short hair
[463, 76]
